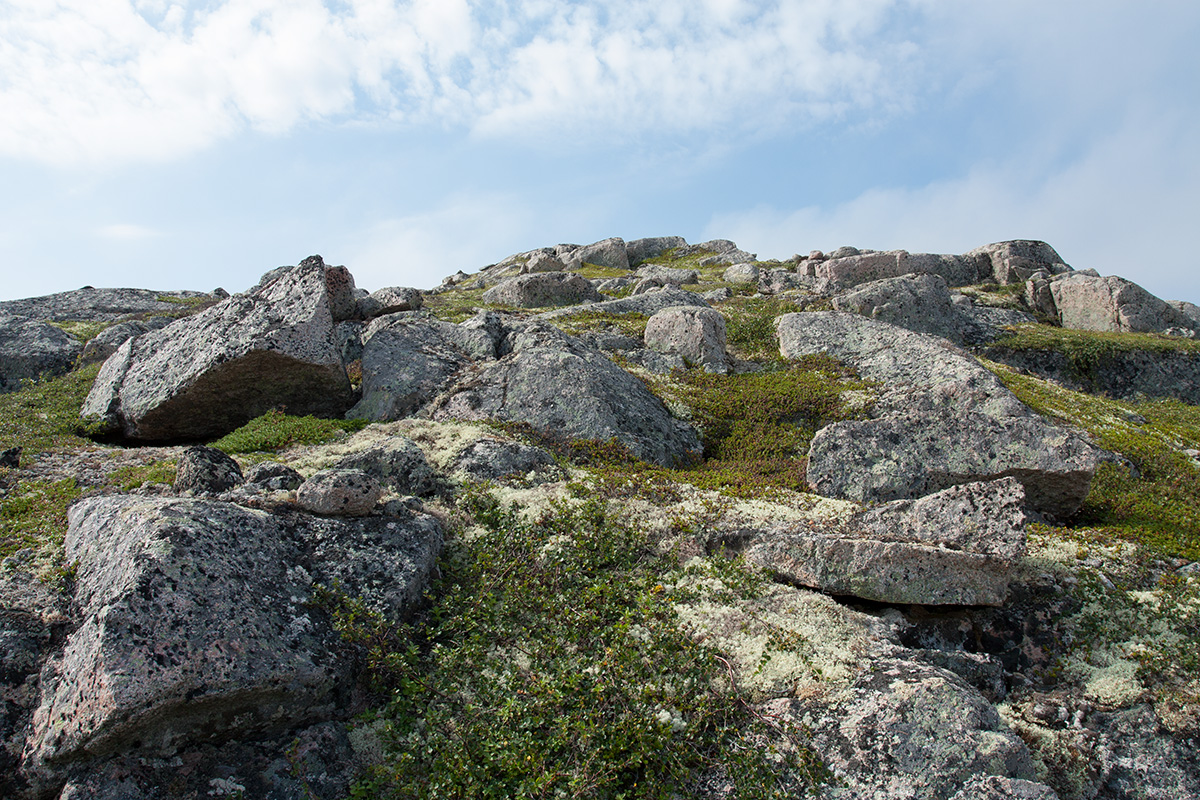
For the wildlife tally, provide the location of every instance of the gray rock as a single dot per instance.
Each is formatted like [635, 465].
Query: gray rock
[205, 470]
[955, 547]
[198, 624]
[105, 343]
[397, 463]
[906, 730]
[207, 374]
[920, 303]
[615, 285]
[993, 787]
[273, 477]
[941, 420]
[1089, 303]
[744, 273]
[493, 458]
[777, 281]
[717, 295]
[647, 303]
[845, 272]
[845, 251]
[669, 275]
[103, 305]
[608, 253]
[1016, 260]
[559, 385]
[408, 360]
[1038, 296]
[10, 457]
[389, 300]
[30, 349]
[1191, 310]
[639, 250]
[723, 250]
[695, 334]
[339, 493]
[543, 262]
[541, 289]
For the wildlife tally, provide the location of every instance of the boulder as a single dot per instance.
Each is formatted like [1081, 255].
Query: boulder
[941, 420]
[741, 274]
[105, 343]
[205, 470]
[1038, 295]
[272, 476]
[397, 463]
[920, 303]
[723, 252]
[339, 493]
[955, 547]
[1091, 303]
[649, 302]
[541, 289]
[558, 385]
[639, 250]
[1016, 260]
[543, 262]
[205, 375]
[491, 458]
[388, 300]
[104, 305]
[669, 275]
[169, 652]
[30, 349]
[906, 730]
[407, 360]
[609, 253]
[695, 334]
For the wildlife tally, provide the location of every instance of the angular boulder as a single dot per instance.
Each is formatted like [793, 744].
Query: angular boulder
[389, 300]
[199, 623]
[837, 273]
[559, 385]
[648, 302]
[205, 470]
[339, 493]
[639, 250]
[695, 334]
[668, 276]
[1091, 303]
[741, 274]
[397, 463]
[920, 303]
[941, 420]
[542, 289]
[1016, 260]
[610, 253]
[30, 349]
[207, 374]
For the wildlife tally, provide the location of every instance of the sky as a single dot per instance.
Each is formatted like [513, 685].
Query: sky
[191, 145]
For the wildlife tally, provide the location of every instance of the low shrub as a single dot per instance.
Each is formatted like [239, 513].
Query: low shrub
[276, 430]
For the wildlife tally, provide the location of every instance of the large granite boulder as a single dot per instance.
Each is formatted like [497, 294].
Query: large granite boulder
[639, 250]
[199, 623]
[558, 385]
[955, 547]
[105, 305]
[1091, 303]
[920, 303]
[408, 359]
[542, 289]
[940, 420]
[648, 302]
[207, 374]
[30, 349]
[694, 333]
[836, 273]
[1016, 260]
[610, 253]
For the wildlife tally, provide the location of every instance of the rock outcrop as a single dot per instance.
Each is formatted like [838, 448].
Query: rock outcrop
[695, 334]
[30, 349]
[542, 289]
[1089, 303]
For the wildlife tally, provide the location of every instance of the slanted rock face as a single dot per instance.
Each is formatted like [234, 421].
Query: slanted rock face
[920, 303]
[557, 384]
[609, 253]
[695, 334]
[1090, 303]
[639, 250]
[941, 420]
[197, 622]
[29, 349]
[541, 289]
[207, 374]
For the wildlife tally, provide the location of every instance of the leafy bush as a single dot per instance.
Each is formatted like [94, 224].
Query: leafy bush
[276, 430]
[553, 665]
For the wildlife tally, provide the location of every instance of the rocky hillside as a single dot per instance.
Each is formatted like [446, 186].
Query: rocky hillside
[631, 519]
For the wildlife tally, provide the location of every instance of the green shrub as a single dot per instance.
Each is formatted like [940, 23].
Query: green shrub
[44, 415]
[276, 430]
[750, 325]
[136, 476]
[34, 515]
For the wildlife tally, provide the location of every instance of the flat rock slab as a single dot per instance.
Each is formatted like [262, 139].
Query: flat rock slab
[210, 373]
[199, 625]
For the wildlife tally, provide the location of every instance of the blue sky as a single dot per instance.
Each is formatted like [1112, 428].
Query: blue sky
[193, 145]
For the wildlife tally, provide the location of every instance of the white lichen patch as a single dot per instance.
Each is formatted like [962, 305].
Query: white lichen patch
[440, 442]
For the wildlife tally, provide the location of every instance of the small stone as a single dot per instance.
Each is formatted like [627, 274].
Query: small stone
[206, 470]
[339, 493]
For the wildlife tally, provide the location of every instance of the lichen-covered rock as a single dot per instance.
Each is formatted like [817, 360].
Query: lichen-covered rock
[205, 470]
[993, 787]
[273, 477]
[956, 547]
[920, 303]
[397, 463]
[542, 289]
[610, 253]
[905, 730]
[198, 623]
[543, 262]
[940, 420]
[837, 273]
[207, 374]
[90, 304]
[639, 250]
[339, 493]
[105, 343]
[648, 302]
[1016, 260]
[1091, 303]
[668, 276]
[30, 349]
[695, 334]
[559, 385]
[492, 458]
[741, 274]
[389, 300]
[407, 360]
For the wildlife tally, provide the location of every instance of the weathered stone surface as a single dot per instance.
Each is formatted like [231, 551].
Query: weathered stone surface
[557, 384]
[723, 250]
[639, 250]
[920, 303]
[668, 275]
[741, 274]
[389, 300]
[1016, 260]
[407, 360]
[1090, 303]
[493, 458]
[542, 289]
[339, 493]
[273, 476]
[543, 262]
[845, 272]
[994, 787]
[941, 420]
[955, 547]
[906, 730]
[1038, 295]
[101, 305]
[30, 349]
[207, 374]
[170, 652]
[695, 334]
[397, 463]
[609, 253]
[204, 470]
[648, 303]
[105, 343]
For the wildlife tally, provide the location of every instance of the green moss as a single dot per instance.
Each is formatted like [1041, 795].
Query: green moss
[276, 430]
[44, 415]
[631, 324]
[1159, 506]
[33, 515]
[1086, 351]
[136, 476]
[82, 330]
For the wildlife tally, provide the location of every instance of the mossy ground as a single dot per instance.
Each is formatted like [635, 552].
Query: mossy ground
[276, 430]
[1087, 350]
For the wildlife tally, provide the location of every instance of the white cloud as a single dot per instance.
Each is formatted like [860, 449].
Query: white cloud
[101, 80]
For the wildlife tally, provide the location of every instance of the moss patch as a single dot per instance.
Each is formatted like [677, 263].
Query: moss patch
[136, 476]
[1086, 351]
[276, 430]
[631, 324]
[44, 415]
[34, 515]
